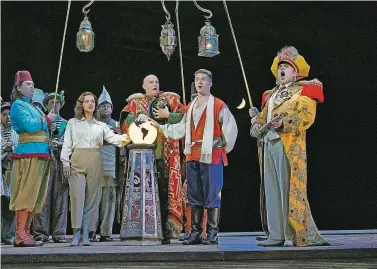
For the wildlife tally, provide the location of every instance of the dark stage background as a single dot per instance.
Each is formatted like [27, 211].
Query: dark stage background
[338, 40]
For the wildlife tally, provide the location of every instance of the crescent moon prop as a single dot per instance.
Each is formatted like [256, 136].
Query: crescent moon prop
[242, 105]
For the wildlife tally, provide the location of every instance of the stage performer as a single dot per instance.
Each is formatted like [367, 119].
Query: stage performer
[109, 182]
[186, 205]
[9, 140]
[165, 107]
[210, 133]
[289, 217]
[31, 158]
[53, 218]
[83, 138]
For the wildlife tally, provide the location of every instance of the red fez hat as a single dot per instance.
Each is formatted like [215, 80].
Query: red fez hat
[22, 76]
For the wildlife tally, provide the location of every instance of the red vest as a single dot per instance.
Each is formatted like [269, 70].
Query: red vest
[197, 136]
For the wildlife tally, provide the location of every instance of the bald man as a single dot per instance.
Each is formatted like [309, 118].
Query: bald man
[169, 172]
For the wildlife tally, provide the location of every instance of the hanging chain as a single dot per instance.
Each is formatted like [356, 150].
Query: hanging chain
[204, 10]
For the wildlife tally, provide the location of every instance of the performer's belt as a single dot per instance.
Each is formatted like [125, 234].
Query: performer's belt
[38, 137]
[197, 144]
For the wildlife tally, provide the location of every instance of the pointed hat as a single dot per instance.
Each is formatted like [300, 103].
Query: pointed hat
[104, 97]
[38, 97]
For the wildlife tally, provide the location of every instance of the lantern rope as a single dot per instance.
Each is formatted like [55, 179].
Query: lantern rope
[259, 145]
[61, 51]
[180, 54]
[239, 54]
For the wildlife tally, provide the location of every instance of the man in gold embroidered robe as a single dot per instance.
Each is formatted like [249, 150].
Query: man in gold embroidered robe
[289, 217]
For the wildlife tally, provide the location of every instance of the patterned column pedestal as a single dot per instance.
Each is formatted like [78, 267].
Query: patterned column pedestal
[141, 220]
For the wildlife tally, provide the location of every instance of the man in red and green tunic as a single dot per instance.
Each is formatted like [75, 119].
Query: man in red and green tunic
[167, 150]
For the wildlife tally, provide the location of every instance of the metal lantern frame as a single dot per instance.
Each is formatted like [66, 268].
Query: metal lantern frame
[168, 39]
[208, 41]
[85, 35]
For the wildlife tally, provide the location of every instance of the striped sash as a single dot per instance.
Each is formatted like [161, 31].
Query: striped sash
[38, 137]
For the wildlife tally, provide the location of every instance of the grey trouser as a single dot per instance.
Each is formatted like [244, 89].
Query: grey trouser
[107, 211]
[53, 217]
[84, 186]
[276, 179]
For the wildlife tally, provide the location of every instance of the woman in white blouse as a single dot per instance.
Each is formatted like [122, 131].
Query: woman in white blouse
[83, 138]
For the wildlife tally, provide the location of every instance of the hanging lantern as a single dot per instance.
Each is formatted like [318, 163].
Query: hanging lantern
[85, 36]
[208, 41]
[168, 40]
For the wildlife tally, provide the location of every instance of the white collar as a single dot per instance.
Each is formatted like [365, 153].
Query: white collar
[94, 120]
[285, 86]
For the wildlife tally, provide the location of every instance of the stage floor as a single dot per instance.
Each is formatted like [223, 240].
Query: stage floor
[350, 249]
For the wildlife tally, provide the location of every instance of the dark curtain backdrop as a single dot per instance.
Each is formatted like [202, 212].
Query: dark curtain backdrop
[338, 40]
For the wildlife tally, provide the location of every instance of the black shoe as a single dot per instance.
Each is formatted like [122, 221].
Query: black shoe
[165, 241]
[211, 239]
[194, 239]
[59, 239]
[196, 226]
[261, 238]
[213, 218]
[105, 239]
[184, 236]
[41, 238]
[92, 236]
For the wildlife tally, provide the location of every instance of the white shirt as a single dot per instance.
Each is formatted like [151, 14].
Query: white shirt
[198, 111]
[84, 134]
[271, 104]
[10, 135]
[226, 119]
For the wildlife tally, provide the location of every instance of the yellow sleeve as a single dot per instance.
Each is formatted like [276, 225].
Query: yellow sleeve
[262, 118]
[302, 117]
